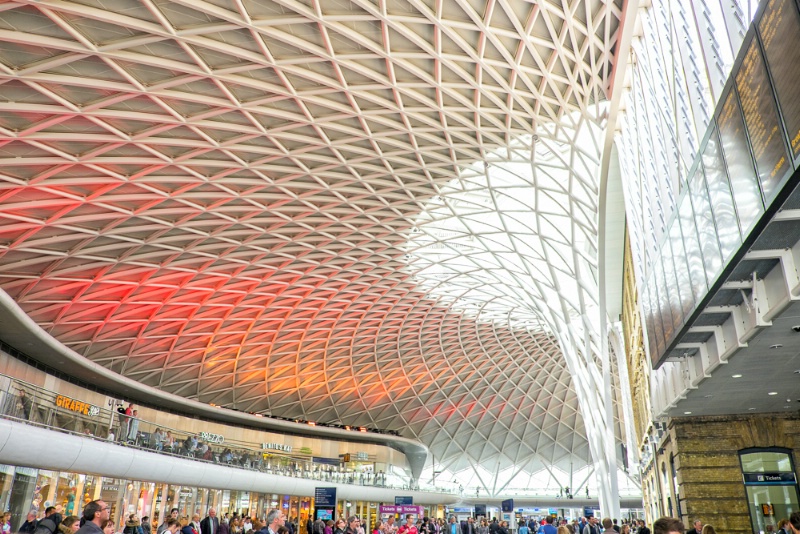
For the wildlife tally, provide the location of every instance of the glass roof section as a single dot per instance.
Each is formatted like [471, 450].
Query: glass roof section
[382, 213]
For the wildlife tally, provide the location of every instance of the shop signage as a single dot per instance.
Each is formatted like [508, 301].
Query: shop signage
[325, 497]
[110, 488]
[769, 479]
[403, 500]
[77, 406]
[362, 456]
[276, 447]
[400, 509]
[211, 438]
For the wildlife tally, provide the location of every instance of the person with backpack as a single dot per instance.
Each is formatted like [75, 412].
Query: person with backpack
[133, 525]
[49, 525]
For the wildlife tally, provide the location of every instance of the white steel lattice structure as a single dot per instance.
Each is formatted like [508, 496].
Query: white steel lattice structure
[332, 210]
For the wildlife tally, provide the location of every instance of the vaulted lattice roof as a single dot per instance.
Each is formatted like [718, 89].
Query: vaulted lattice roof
[333, 210]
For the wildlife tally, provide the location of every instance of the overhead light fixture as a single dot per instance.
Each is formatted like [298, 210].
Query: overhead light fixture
[776, 346]
[751, 409]
[772, 393]
[708, 396]
[687, 413]
[312, 423]
[736, 376]
[362, 429]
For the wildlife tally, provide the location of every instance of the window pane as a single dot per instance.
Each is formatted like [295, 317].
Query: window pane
[681, 267]
[706, 231]
[721, 200]
[746, 191]
[691, 243]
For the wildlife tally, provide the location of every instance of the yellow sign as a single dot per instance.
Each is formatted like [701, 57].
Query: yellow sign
[77, 406]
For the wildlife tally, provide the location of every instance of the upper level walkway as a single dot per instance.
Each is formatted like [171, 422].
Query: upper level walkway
[42, 428]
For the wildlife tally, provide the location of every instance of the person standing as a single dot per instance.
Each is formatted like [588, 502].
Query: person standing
[697, 527]
[669, 525]
[30, 524]
[210, 525]
[352, 525]
[591, 526]
[24, 403]
[94, 514]
[409, 527]
[275, 519]
[173, 514]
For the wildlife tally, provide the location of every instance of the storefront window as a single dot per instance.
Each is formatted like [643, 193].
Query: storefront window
[6, 478]
[771, 486]
[22, 494]
[112, 493]
[66, 493]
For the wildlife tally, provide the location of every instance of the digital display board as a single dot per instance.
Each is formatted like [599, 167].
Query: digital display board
[779, 27]
[324, 497]
[761, 119]
[751, 147]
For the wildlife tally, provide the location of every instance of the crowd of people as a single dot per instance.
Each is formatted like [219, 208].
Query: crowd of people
[96, 520]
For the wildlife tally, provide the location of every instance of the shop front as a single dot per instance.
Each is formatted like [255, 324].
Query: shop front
[24, 489]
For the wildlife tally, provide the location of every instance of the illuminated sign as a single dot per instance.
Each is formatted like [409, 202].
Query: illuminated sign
[362, 456]
[211, 438]
[276, 447]
[77, 406]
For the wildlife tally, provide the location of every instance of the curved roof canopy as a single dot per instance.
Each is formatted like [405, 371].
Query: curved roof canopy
[381, 213]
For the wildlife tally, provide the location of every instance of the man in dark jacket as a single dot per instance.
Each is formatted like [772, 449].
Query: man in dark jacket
[29, 525]
[48, 525]
[210, 525]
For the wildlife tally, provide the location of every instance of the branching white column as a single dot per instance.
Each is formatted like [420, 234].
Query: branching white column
[594, 397]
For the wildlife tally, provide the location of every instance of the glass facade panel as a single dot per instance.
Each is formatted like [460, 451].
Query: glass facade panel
[691, 242]
[681, 267]
[673, 293]
[746, 191]
[719, 191]
[707, 233]
[655, 300]
[663, 302]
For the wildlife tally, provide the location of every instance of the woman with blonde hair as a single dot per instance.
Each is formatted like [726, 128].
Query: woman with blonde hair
[562, 530]
[708, 529]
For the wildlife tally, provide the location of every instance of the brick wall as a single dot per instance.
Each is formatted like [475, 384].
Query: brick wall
[709, 476]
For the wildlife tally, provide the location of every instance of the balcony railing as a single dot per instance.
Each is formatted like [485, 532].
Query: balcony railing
[32, 404]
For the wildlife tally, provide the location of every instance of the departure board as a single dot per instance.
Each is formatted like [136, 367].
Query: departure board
[761, 119]
[779, 28]
[737, 173]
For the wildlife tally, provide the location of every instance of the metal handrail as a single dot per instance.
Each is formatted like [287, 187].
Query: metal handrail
[40, 406]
